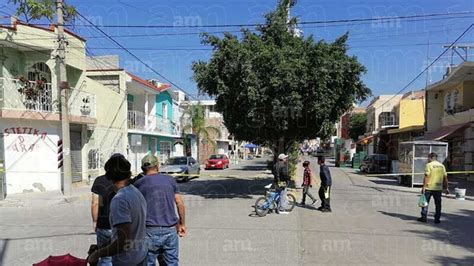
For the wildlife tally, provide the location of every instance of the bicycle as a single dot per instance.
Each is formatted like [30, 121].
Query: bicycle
[263, 205]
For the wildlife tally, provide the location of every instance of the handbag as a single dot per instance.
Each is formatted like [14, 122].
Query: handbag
[422, 202]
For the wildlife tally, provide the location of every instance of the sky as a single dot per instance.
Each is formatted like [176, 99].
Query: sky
[393, 52]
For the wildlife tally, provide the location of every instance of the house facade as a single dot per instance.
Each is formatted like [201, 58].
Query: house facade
[215, 119]
[450, 115]
[381, 116]
[411, 118]
[30, 114]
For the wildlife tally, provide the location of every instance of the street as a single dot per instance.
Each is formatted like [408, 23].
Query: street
[373, 222]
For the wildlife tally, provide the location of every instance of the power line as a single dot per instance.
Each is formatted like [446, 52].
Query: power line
[323, 22]
[132, 54]
[431, 64]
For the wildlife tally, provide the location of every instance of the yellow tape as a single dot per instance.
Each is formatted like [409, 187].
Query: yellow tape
[398, 174]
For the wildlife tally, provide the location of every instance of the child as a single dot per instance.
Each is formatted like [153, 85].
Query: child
[307, 184]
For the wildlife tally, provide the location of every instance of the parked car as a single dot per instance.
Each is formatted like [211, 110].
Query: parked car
[217, 161]
[375, 163]
[187, 166]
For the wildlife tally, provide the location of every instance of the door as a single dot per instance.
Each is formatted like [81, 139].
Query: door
[76, 156]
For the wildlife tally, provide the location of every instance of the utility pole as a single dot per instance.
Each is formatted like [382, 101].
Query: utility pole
[64, 100]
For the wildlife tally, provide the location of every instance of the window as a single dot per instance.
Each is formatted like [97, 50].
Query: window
[165, 149]
[93, 159]
[387, 119]
[448, 101]
[164, 109]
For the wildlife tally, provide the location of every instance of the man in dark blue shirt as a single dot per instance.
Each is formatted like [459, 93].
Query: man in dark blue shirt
[326, 183]
[162, 224]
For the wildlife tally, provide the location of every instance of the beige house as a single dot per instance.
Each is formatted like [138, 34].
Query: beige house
[30, 113]
[450, 115]
[381, 116]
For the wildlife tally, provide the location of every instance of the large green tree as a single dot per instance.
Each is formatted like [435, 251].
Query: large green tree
[274, 87]
[357, 125]
[193, 119]
[38, 9]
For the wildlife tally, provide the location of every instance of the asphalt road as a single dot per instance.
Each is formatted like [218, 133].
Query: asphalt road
[373, 223]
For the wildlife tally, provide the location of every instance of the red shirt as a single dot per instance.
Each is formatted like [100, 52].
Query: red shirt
[307, 177]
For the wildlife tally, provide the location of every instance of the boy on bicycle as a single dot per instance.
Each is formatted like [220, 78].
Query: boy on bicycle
[282, 180]
[307, 177]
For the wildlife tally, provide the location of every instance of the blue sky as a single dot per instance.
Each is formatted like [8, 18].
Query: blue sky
[393, 52]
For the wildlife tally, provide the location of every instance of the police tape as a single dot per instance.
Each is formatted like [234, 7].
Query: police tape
[405, 174]
[170, 174]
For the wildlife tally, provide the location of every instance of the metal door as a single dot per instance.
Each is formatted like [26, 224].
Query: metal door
[76, 156]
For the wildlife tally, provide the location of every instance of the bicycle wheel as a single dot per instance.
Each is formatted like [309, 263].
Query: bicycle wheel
[261, 206]
[291, 200]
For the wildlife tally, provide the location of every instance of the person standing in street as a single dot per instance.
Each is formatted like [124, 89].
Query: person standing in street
[435, 178]
[307, 178]
[127, 218]
[326, 183]
[102, 194]
[282, 180]
[163, 226]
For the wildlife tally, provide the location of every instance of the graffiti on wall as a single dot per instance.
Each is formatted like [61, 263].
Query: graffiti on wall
[22, 144]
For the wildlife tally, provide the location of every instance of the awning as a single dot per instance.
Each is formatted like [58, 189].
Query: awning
[405, 129]
[365, 140]
[443, 132]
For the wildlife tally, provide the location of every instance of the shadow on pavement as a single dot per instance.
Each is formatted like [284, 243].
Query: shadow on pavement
[227, 188]
[455, 230]
[3, 249]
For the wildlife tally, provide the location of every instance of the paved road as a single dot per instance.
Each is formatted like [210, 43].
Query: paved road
[373, 222]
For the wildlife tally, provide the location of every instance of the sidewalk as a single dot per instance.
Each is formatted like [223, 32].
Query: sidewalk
[45, 199]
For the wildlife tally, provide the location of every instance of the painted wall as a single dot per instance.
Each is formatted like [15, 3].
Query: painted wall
[166, 98]
[31, 162]
[412, 112]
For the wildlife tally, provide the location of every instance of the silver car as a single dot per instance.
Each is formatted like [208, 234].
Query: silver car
[186, 166]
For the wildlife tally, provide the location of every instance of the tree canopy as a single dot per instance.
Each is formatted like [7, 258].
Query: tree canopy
[38, 9]
[357, 125]
[276, 87]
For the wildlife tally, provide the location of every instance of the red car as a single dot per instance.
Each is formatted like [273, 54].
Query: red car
[217, 161]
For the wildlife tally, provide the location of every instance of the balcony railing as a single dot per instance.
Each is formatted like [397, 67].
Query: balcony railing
[35, 96]
[151, 123]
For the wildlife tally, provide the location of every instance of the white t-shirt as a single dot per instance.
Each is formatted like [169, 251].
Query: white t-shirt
[129, 206]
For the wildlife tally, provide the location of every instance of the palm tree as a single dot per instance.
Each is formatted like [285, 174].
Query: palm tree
[194, 120]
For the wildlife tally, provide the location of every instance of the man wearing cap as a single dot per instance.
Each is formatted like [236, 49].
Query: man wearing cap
[282, 179]
[162, 224]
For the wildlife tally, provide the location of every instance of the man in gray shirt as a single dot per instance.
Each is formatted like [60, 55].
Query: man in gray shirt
[127, 218]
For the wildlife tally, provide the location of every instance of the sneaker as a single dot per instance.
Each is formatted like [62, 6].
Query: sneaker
[302, 203]
[326, 210]
[437, 221]
[422, 219]
[320, 208]
[314, 202]
[283, 212]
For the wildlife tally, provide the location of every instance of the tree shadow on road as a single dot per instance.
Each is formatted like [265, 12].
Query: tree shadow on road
[455, 230]
[227, 188]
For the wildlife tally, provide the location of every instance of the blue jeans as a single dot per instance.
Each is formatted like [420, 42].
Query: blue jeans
[437, 199]
[103, 238]
[162, 242]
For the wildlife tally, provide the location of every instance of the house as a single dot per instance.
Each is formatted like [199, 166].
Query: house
[152, 126]
[450, 115]
[30, 114]
[411, 118]
[215, 119]
[343, 127]
[381, 116]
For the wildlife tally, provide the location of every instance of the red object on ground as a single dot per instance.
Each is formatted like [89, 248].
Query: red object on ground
[64, 260]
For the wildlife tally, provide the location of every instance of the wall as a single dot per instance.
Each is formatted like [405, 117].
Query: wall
[109, 135]
[31, 160]
[468, 94]
[434, 110]
[412, 112]
[164, 97]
